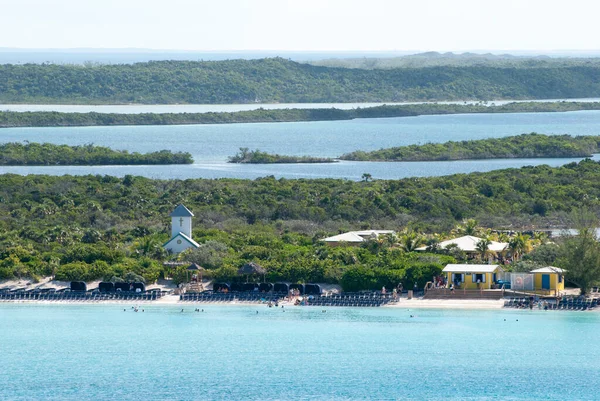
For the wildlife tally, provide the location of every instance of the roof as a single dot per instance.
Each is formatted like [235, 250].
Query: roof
[366, 233]
[468, 243]
[184, 237]
[548, 269]
[451, 268]
[195, 266]
[357, 236]
[251, 268]
[181, 211]
[345, 237]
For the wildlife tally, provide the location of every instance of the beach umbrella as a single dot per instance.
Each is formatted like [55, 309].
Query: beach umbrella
[251, 268]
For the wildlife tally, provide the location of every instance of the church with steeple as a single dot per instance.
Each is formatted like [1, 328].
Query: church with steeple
[181, 231]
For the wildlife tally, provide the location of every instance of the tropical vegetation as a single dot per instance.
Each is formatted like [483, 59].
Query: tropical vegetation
[48, 154]
[91, 227]
[276, 80]
[58, 119]
[246, 155]
[521, 146]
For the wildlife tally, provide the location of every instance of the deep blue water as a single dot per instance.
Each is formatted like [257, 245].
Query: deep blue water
[211, 145]
[99, 352]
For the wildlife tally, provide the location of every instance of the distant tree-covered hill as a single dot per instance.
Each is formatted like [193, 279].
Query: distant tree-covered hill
[435, 59]
[278, 80]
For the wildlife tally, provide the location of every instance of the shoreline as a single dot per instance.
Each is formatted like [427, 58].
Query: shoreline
[173, 300]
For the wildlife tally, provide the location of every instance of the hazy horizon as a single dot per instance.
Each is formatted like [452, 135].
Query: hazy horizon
[296, 26]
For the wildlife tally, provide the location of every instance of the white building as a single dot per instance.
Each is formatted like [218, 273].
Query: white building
[356, 237]
[181, 231]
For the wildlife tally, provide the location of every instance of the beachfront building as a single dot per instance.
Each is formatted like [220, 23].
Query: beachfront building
[472, 277]
[549, 279]
[468, 244]
[181, 231]
[356, 237]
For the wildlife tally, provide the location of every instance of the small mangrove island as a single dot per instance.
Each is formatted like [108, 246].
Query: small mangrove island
[246, 155]
[10, 119]
[48, 154]
[524, 146]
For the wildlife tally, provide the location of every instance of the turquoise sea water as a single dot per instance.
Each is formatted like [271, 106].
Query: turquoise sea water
[99, 352]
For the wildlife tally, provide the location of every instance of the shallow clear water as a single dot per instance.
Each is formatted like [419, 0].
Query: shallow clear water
[100, 352]
[211, 145]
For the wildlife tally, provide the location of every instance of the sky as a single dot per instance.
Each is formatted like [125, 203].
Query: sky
[302, 25]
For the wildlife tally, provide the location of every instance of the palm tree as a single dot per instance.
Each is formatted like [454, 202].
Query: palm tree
[518, 245]
[539, 237]
[410, 241]
[483, 247]
[468, 227]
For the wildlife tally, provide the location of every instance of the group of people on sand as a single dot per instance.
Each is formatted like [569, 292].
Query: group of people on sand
[396, 291]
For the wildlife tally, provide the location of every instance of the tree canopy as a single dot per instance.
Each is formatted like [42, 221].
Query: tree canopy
[276, 80]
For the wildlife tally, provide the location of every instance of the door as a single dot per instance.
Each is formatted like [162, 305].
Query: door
[545, 281]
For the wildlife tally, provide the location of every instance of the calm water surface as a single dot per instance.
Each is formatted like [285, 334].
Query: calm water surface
[211, 145]
[100, 352]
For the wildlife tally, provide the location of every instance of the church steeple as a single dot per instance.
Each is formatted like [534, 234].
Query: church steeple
[181, 221]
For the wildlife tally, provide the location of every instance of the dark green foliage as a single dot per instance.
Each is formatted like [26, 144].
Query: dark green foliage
[56, 119]
[283, 81]
[35, 154]
[257, 157]
[97, 227]
[521, 146]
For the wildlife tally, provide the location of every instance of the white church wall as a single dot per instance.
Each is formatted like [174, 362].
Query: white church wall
[181, 225]
[177, 245]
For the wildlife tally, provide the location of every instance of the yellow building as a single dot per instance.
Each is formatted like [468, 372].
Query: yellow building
[472, 277]
[549, 279]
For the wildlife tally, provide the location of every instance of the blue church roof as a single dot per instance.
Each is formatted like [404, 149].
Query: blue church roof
[181, 211]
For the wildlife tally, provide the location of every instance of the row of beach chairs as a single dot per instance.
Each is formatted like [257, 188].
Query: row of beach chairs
[352, 300]
[220, 297]
[580, 304]
[67, 295]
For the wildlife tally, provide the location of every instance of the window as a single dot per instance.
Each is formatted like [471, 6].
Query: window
[478, 277]
[560, 278]
[179, 242]
[457, 278]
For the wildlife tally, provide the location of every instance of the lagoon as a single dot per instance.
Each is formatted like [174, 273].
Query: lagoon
[210, 145]
[71, 352]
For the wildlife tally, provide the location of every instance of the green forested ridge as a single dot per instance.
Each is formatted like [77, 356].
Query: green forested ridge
[53, 119]
[435, 59]
[47, 154]
[521, 146]
[281, 81]
[98, 226]
[246, 155]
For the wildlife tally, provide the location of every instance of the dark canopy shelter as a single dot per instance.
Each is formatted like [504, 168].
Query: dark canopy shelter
[78, 286]
[141, 286]
[221, 287]
[281, 287]
[312, 289]
[250, 286]
[265, 287]
[106, 287]
[122, 286]
[195, 268]
[299, 287]
[237, 287]
[251, 268]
